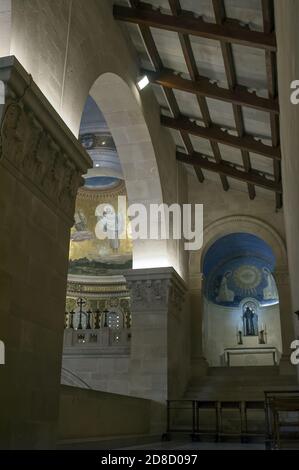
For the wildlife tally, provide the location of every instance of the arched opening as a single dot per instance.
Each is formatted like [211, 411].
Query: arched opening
[241, 317]
[98, 317]
[97, 208]
[121, 106]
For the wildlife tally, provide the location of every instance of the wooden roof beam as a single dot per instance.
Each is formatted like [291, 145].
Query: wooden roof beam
[216, 134]
[228, 169]
[175, 7]
[186, 23]
[240, 95]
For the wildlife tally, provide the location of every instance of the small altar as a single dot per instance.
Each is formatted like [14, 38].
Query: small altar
[250, 353]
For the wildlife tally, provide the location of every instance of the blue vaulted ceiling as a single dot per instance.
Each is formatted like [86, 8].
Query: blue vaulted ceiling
[96, 138]
[238, 266]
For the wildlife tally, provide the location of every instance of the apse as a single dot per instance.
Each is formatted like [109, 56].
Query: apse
[238, 266]
[104, 183]
[241, 303]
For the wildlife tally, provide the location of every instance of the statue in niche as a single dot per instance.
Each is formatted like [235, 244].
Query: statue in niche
[270, 291]
[225, 294]
[250, 322]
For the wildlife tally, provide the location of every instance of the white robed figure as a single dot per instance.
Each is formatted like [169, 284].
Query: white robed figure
[110, 225]
[270, 291]
[225, 294]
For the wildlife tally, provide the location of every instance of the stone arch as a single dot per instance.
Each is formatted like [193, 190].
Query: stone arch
[214, 231]
[121, 107]
[82, 63]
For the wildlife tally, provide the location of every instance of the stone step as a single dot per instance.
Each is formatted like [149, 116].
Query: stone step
[283, 379]
[239, 383]
[230, 386]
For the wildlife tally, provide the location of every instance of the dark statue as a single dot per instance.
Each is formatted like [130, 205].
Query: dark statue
[250, 322]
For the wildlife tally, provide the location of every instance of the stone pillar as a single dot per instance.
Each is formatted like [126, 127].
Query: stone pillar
[199, 364]
[287, 32]
[41, 164]
[160, 355]
[282, 280]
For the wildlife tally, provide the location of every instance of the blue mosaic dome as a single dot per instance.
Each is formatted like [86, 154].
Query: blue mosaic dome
[239, 266]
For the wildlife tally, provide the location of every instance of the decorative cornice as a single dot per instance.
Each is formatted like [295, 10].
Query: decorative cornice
[93, 287]
[36, 145]
[105, 194]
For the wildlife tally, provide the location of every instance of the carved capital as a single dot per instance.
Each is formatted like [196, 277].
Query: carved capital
[153, 290]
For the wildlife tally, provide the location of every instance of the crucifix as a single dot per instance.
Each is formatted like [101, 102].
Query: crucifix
[81, 303]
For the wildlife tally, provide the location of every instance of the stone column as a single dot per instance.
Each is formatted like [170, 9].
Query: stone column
[41, 164]
[199, 364]
[282, 280]
[160, 355]
[287, 32]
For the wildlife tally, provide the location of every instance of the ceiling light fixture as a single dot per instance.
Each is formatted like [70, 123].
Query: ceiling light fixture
[143, 82]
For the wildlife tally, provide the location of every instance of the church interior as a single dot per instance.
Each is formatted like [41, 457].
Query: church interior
[108, 341]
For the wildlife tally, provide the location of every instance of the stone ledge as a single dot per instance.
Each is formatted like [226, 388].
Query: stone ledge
[19, 84]
[36, 147]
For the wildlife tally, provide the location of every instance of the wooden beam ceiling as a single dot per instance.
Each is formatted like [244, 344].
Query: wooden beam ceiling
[269, 26]
[227, 31]
[229, 65]
[240, 95]
[193, 72]
[186, 23]
[168, 92]
[216, 134]
[228, 169]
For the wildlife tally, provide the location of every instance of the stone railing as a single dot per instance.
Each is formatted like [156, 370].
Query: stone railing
[96, 341]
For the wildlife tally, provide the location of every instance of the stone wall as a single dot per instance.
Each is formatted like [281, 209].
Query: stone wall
[88, 416]
[107, 373]
[286, 15]
[41, 164]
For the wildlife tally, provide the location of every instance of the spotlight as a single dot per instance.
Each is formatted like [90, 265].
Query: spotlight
[97, 165]
[143, 82]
